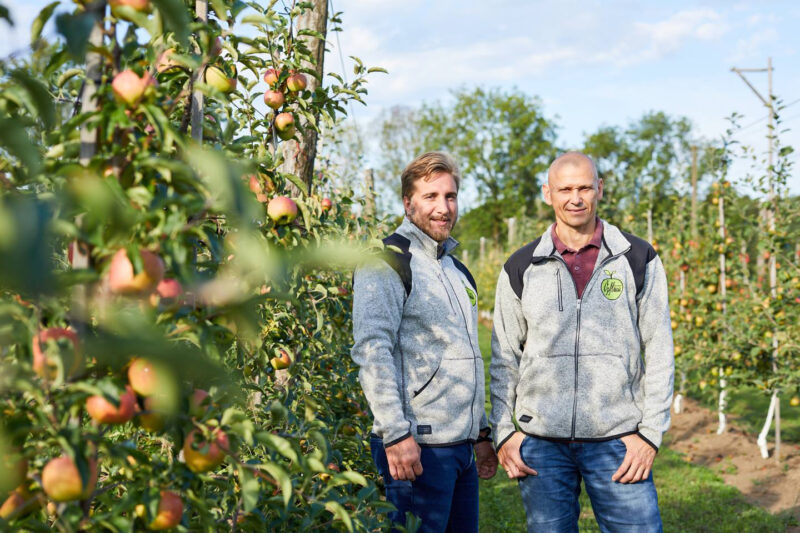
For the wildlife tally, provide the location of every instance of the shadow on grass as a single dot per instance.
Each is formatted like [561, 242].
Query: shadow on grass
[691, 498]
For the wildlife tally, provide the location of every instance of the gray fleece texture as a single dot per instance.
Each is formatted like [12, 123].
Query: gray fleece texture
[420, 364]
[592, 368]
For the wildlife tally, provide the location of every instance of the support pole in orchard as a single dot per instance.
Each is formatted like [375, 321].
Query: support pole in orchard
[694, 194]
[298, 156]
[482, 254]
[369, 193]
[769, 216]
[512, 231]
[201, 12]
[88, 148]
[723, 393]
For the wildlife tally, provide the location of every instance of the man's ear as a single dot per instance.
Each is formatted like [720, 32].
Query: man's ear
[599, 188]
[406, 204]
[546, 194]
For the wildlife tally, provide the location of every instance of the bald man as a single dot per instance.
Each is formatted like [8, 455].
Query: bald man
[582, 363]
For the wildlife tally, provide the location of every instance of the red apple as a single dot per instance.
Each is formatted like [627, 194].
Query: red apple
[216, 77]
[274, 99]
[144, 377]
[19, 502]
[170, 511]
[104, 412]
[281, 361]
[61, 480]
[165, 62]
[169, 288]
[121, 278]
[296, 82]
[255, 185]
[43, 365]
[138, 5]
[202, 456]
[199, 403]
[326, 204]
[284, 123]
[282, 210]
[129, 88]
[271, 76]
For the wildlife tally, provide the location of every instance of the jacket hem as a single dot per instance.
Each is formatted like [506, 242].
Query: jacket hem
[500, 444]
[424, 444]
[639, 433]
[587, 439]
[395, 441]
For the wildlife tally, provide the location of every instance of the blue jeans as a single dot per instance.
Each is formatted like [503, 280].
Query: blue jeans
[551, 498]
[444, 497]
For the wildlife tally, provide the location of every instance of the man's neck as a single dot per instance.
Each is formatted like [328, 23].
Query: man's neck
[576, 238]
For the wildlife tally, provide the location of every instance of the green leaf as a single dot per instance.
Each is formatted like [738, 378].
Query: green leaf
[76, 30]
[341, 513]
[283, 479]
[279, 444]
[40, 20]
[14, 138]
[39, 95]
[298, 182]
[219, 8]
[4, 14]
[68, 75]
[250, 489]
[176, 18]
[377, 69]
[353, 477]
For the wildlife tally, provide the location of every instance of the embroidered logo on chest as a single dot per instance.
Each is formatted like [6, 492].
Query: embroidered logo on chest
[611, 287]
[473, 298]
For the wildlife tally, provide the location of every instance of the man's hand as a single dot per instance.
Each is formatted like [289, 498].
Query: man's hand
[637, 462]
[485, 459]
[404, 460]
[511, 459]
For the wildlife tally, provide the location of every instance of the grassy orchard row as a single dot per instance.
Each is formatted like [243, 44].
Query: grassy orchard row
[201, 269]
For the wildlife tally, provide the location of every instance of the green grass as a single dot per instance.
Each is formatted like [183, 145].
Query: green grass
[691, 498]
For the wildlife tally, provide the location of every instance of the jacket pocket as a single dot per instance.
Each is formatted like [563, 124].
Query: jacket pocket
[545, 395]
[445, 401]
[425, 385]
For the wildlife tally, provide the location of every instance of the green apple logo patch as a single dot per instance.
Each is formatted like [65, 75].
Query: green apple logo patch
[473, 298]
[611, 287]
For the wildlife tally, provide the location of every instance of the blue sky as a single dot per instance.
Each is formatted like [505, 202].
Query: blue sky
[592, 63]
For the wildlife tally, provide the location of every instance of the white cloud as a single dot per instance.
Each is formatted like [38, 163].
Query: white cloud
[752, 46]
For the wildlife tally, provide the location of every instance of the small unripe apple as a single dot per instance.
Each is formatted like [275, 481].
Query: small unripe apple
[121, 278]
[284, 123]
[44, 365]
[326, 204]
[104, 412]
[170, 512]
[296, 82]
[129, 88]
[202, 456]
[282, 210]
[271, 76]
[274, 99]
[216, 77]
[61, 480]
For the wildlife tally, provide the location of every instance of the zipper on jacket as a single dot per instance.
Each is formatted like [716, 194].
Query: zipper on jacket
[472, 346]
[560, 294]
[578, 328]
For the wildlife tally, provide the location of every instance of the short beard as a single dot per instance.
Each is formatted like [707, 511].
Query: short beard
[424, 224]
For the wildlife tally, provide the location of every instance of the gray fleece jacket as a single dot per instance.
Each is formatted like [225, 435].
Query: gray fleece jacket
[593, 368]
[420, 364]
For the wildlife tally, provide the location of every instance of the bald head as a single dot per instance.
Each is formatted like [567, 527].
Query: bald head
[572, 161]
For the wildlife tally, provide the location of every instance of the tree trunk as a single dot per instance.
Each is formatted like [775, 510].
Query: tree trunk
[299, 155]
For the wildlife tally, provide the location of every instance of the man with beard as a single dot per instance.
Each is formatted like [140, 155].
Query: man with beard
[582, 363]
[415, 322]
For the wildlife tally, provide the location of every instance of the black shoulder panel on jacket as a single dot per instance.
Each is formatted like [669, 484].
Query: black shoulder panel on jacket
[463, 268]
[640, 254]
[400, 261]
[517, 264]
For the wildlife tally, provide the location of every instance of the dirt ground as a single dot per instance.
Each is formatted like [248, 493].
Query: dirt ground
[735, 456]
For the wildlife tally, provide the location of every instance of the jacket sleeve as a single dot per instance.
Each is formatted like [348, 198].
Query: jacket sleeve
[659, 361]
[378, 297]
[508, 339]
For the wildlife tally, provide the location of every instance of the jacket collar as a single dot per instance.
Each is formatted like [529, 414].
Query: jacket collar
[422, 240]
[614, 242]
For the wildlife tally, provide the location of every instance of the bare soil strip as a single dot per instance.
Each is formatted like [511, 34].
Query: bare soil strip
[734, 455]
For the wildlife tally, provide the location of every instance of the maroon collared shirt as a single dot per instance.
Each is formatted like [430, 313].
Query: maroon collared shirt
[580, 262]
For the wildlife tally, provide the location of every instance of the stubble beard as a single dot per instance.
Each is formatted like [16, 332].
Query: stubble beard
[424, 223]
